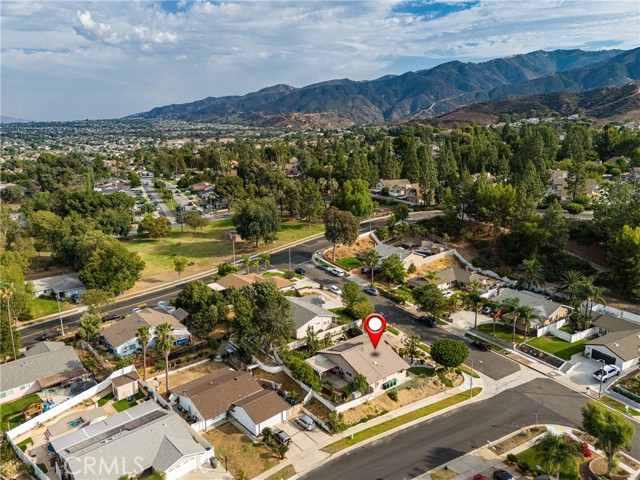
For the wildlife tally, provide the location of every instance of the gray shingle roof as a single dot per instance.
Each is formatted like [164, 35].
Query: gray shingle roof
[542, 306]
[625, 345]
[143, 436]
[263, 405]
[52, 363]
[612, 323]
[304, 310]
[388, 250]
[59, 283]
[125, 330]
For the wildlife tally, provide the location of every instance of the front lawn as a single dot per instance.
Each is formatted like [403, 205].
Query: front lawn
[534, 456]
[344, 318]
[12, 409]
[349, 263]
[44, 306]
[558, 347]
[125, 404]
[423, 371]
[503, 332]
[612, 402]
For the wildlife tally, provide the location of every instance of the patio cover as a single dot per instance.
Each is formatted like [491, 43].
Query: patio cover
[320, 363]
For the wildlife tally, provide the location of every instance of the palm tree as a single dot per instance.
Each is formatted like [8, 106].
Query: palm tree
[527, 314]
[592, 294]
[559, 451]
[255, 263]
[246, 260]
[513, 307]
[7, 291]
[157, 475]
[265, 258]
[475, 300]
[164, 343]
[372, 259]
[571, 287]
[531, 273]
[143, 339]
[432, 276]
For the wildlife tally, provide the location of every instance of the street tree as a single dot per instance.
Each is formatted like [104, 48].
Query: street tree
[341, 227]
[429, 298]
[164, 344]
[89, 326]
[611, 430]
[351, 294]
[157, 227]
[371, 260]
[560, 452]
[112, 268]
[354, 197]
[196, 296]
[96, 299]
[257, 219]
[265, 258]
[449, 353]
[179, 265]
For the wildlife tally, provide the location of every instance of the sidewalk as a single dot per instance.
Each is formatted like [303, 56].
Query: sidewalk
[311, 459]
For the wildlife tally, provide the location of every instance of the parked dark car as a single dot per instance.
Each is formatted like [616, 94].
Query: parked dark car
[372, 291]
[323, 266]
[282, 437]
[112, 316]
[486, 310]
[76, 299]
[300, 271]
[485, 347]
[49, 336]
[502, 475]
[429, 321]
[365, 269]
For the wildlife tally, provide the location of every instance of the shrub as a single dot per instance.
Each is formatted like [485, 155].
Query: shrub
[574, 208]
[336, 423]
[412, 268]
[511, 458]
[393, 395]
[289, 274]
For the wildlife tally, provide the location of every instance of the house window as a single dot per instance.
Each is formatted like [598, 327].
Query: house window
[349, 374]
[6, 393]
[25, 386]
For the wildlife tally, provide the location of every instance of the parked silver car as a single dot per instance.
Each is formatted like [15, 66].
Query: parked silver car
[305, 422]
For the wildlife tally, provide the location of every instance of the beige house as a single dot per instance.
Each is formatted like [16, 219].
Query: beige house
[237, 280]
[126, 385]
[347, 359]
[401, 189]
[547, 310]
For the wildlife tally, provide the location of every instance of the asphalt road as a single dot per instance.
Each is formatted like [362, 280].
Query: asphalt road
[299, 254]
[418, 449]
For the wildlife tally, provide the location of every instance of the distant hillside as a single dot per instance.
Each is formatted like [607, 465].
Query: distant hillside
[5, 119]
[609, 103]
[421, 94]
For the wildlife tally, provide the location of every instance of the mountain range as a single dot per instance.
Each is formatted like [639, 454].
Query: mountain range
[416, 95]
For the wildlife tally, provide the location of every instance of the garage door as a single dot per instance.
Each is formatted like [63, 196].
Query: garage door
[598, 355]
[183, 469]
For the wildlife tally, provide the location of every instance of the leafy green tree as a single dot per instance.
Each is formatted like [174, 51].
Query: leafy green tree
[144, 337]
[89, 326]
[336, 423]
[96, 300]
[556, 226]
[156, 226]
[354, 197]
[179, 265]
[48, 227]
[619, 206]
[195, 220]
[361, 383]
[115, 222]
[371, 260]
[257, 219]
[429, 298]
[311, 203]
[351, 294]
[412, 346]
[495, 204]
[225, 268]
[624, 256]
[575, 208]
[134, 179]
[302, 371]
[112, 268]
[362, 309]
[203, 321]
[610, 429]
[196, 296]
[230, 188]
[560, 451]
[18, 294]
[449, 353]
[340, 227]
[313, 342]
[393, 268]
[164, 343]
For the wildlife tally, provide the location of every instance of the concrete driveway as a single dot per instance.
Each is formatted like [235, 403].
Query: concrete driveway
[466, 319]
[581, 376]
[303, 440]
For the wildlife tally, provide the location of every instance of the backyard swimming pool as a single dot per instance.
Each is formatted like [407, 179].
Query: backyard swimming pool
[75, 423]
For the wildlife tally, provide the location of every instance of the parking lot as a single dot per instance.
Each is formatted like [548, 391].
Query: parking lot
[302, 439]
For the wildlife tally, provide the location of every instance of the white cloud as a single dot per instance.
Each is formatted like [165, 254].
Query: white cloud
[115, 58]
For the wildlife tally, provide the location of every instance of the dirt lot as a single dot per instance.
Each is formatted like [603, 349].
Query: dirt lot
[361, 246]
[245, 459]
[424, 388]
[438, 265]
[180, 378]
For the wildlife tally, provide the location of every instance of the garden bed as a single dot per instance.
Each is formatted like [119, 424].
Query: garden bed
[516, 440]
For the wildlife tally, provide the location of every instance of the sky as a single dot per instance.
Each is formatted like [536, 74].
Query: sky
[63, 60]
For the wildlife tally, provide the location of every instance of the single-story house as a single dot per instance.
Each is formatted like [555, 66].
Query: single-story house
[357, 356]
[407, 257]
[201, 186]
[62, 286]
[400, 189]
[308, 312]
[211, 398]
[126, 385]
[44, 365]
[618, 343]
[120, 338]
[548, 310]
[237, 280]
[449, 278]
[140, 439]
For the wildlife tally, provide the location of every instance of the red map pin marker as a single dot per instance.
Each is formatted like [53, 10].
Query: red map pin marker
[375, 325]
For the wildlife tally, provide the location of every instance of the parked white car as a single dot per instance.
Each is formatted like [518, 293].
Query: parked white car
[336, 272]
[447, 294]
[606, 372]
[335, 289]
